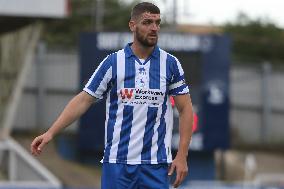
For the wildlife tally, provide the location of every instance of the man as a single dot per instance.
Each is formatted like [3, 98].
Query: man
[138, 82]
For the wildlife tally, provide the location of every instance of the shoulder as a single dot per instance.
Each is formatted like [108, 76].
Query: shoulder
[111, 58]
[170, 57]
[112, 55]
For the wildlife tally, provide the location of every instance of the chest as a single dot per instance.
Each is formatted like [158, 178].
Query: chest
[142, 83]
[150, 75]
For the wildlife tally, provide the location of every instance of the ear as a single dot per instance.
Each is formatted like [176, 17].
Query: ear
[132, 25]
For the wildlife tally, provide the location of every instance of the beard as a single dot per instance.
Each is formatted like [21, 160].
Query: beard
[144, 40]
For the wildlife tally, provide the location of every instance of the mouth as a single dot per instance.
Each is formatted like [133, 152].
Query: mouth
[153, 36]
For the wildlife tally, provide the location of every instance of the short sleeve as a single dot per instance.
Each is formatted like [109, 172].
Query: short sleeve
[99, 82]
[178, 84]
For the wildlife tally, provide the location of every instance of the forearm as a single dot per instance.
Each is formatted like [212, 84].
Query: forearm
[73, 110]
[185, 130]
[185, 126]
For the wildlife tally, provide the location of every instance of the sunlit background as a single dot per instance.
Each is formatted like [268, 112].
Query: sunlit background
[220, 12]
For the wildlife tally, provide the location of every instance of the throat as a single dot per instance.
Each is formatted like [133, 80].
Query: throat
[141, 52]
[142, 60]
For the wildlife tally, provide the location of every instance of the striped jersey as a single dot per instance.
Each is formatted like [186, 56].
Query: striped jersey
[139, 115]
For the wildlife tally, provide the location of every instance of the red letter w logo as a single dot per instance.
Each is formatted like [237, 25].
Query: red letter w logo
[125, 93]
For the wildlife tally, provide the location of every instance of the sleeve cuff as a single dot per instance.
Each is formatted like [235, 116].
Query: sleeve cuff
[92, 93]
[179, 91]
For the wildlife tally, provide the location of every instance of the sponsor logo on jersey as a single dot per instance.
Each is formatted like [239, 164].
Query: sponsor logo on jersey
[126, 93]
[133, 96]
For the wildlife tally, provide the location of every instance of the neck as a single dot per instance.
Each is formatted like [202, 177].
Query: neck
[141, 51]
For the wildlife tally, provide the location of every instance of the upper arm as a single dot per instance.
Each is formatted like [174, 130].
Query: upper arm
[87, 98]
[80, 103]
[177, 85]
[183, 103]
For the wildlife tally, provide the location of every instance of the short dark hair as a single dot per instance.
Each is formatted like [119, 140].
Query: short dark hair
[140, 8]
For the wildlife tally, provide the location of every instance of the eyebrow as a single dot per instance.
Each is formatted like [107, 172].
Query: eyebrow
[149, 19]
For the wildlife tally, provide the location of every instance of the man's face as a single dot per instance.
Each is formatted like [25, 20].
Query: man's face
[146, 29]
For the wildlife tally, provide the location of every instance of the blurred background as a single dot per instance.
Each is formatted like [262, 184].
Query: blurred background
[232, 54]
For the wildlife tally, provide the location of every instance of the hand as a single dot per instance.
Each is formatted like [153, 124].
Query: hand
[39, 142]
[180, 165]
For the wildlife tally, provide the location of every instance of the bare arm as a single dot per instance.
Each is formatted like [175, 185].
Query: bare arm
[73, 110]
[184, 106]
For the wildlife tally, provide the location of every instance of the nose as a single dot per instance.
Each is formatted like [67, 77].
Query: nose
[155, 27]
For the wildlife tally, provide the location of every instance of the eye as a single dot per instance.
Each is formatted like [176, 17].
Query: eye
[158, 22]
[147, 22]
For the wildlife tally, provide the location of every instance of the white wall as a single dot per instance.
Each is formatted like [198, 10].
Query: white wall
[60, 80]
[247, 106]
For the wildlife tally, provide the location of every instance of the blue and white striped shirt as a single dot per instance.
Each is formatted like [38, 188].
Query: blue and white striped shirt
[139, 115]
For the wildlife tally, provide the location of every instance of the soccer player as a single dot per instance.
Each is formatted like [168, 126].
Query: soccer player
[137, 82]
